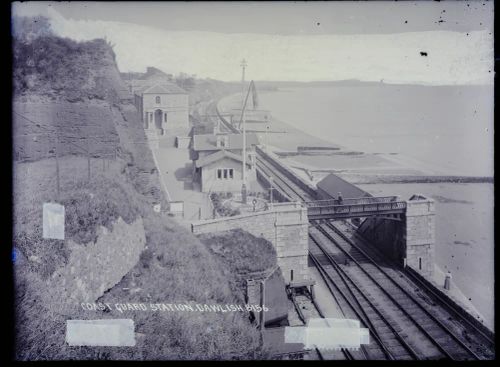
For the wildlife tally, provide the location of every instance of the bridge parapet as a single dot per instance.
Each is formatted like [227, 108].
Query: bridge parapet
[353, 201]
[352, 208]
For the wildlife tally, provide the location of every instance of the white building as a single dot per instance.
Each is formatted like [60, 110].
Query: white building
[218, 163]
[164, 108]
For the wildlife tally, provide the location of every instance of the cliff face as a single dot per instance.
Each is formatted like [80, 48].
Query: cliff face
[63, 69]
[74, 90]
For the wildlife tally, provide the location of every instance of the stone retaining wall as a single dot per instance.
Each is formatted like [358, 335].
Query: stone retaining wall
[93, 268]
[285, 225]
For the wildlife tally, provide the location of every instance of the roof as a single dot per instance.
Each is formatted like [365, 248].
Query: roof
[163, 88]
[333, 184]
[209, 141]
[214, 157]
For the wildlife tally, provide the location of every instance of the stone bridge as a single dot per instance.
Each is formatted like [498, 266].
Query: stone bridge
[285, 225]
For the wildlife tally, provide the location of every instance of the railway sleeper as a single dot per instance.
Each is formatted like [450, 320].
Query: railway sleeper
[431, 327]
[374, 352]
[398, 351]
[392, 343]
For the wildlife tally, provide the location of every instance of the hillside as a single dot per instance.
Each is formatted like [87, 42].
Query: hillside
[74, 91]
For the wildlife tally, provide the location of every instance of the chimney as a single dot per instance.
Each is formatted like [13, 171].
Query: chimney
[221, 141]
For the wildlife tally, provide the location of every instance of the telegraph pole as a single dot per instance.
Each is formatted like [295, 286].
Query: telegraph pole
[244, 176]
[243, 67]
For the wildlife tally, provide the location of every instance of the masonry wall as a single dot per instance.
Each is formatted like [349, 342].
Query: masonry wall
[420, 235]
[411, 239]
[285, 226]
[96, 267]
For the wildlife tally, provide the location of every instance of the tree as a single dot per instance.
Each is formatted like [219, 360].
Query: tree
[185, 81]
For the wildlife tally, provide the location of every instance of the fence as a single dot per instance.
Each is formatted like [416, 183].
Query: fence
[69, 155]
[48, 143]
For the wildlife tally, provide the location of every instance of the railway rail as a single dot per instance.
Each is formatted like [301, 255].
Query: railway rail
[427, 335]
[317, 313]
[387, 342]
[384, 299]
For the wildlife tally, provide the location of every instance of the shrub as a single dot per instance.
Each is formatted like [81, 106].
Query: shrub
[55, 66]
[218, 203]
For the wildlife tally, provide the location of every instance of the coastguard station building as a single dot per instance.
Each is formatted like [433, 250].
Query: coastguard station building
[218, 163]
[164, 108]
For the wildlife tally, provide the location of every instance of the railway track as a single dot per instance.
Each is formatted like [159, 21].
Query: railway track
[350, 233]
[425, 335]
[459, 338]
[315, 312]
[291, 190]
[404, 321]
[386, 340]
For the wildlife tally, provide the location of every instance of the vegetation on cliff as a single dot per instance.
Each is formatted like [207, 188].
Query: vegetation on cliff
[175, 267]
[60, 68]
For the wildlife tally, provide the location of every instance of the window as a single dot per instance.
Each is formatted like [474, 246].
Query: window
[226, 173]
[158, 100]
[419, 263]
[165, 117]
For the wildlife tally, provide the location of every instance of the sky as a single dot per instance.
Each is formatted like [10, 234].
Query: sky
[301, 41]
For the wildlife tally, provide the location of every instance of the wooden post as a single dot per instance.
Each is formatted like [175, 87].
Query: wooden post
[447, 281]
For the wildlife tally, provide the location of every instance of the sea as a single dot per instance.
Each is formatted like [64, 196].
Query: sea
[448, 129]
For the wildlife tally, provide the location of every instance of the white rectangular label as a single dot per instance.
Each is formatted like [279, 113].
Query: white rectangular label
[329, 333]
[101, 333]
[53, 221]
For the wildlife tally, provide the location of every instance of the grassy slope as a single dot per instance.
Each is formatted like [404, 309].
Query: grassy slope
[242, 253]
[176, 267]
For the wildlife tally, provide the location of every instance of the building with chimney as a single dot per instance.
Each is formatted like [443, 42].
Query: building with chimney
[218, 162]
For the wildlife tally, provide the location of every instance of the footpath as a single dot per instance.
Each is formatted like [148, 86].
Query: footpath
[175, 170]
